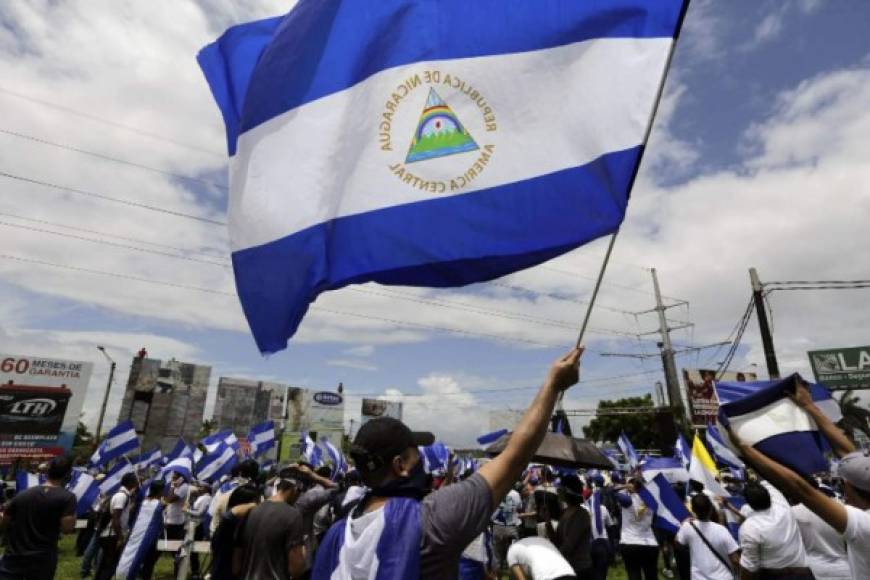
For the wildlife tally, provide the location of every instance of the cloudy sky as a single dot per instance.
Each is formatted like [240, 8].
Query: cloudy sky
[758, 158]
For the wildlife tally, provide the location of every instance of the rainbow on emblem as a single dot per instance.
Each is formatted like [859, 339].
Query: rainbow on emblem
[439, 132]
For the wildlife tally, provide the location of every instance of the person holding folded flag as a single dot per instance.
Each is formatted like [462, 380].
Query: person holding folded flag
[851, 520]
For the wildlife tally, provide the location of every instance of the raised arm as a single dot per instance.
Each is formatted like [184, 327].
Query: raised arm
[504, 470]
[840, 443]
[795, 486]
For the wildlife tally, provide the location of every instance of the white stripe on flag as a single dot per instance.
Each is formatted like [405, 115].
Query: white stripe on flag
[601, 89]
[781, 416]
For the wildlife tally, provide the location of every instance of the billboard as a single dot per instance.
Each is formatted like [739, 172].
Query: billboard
[842, 368]
[374, 408]
[319, 413]
[40, 402]
[701, 393]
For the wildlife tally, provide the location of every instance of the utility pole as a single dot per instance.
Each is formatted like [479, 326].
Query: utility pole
[763, 324]
[670, 367]
[105, 396]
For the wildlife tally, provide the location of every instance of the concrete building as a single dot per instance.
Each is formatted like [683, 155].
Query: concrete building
[243, 403]
[165, 401]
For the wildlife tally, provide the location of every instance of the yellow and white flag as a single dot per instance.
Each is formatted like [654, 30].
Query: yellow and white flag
[702, 468]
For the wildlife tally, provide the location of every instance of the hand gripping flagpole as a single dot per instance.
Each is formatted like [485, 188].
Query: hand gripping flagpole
[646, 135]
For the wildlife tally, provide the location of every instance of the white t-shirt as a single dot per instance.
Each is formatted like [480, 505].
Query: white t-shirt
[606, 521]
[637, 524]
[705, 565]
[174, 513]
[200, 506]
[508, 510]
[120, 501]
[825, 548]
[770, 538]
[857, 536]
[539, 558]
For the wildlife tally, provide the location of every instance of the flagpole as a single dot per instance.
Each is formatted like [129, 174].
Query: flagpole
[597, 288]
[646, 134]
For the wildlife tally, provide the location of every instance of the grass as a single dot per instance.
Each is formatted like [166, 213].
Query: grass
[69, 564]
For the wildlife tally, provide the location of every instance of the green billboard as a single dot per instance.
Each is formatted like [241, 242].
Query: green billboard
[842, 368]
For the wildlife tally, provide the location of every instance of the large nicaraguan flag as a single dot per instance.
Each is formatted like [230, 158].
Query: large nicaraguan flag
[428, 143]
[763, 416]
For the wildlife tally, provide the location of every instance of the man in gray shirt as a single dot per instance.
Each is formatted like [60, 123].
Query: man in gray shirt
[395, 526]
[272, 537]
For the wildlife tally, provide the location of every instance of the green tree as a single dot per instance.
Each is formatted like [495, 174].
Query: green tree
[83, 442]
[207, 427]
[639, 427]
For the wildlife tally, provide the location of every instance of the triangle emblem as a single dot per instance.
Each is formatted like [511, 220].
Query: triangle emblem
[439, 132]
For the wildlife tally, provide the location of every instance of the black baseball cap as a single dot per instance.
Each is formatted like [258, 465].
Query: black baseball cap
[381, 439]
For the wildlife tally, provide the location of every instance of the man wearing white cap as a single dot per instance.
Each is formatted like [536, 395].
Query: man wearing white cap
[851, 520]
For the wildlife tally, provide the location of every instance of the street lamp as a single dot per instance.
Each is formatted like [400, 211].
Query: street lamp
[106, 396]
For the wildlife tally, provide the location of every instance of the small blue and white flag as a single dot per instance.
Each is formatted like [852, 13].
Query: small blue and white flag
[480, 139]
[147, 459]
[613, 457]
[181, 449]
[217, 463]
[183, 466]
[212, 442]
[86, 489]
[119, 441]
[628, 450]
[142, 539]
[113, 479]
[660, 498]
[491, 438]
[682, 451]
[261, 438]
[669, 467]
[339, 464]
[311, 452]
[722, 452]
[435, 457]
[25, 480]
[762, 415]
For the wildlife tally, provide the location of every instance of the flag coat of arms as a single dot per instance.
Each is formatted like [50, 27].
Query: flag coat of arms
[428, 143]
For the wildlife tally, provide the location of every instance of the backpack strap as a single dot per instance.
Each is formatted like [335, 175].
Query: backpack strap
[710, 546]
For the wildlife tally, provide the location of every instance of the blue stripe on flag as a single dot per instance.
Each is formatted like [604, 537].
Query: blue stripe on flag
[516, 225]
[492, 437]
[664, 501]
[325, 46]
[802, 451]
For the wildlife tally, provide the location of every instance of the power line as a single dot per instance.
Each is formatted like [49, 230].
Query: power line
[111, 123]
[738, 331]
[814, 282]
[819, 287]
[110, 198]
[386, 293]
[108, 235]
[112, 159]
[613, 284]
[113, 244]
[315, 308]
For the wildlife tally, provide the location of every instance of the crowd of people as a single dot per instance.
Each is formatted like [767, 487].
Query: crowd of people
[387, 518]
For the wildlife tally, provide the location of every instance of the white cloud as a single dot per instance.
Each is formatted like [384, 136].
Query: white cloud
[792, 208]
[770, 27]
[363, 350]
[357, 364]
